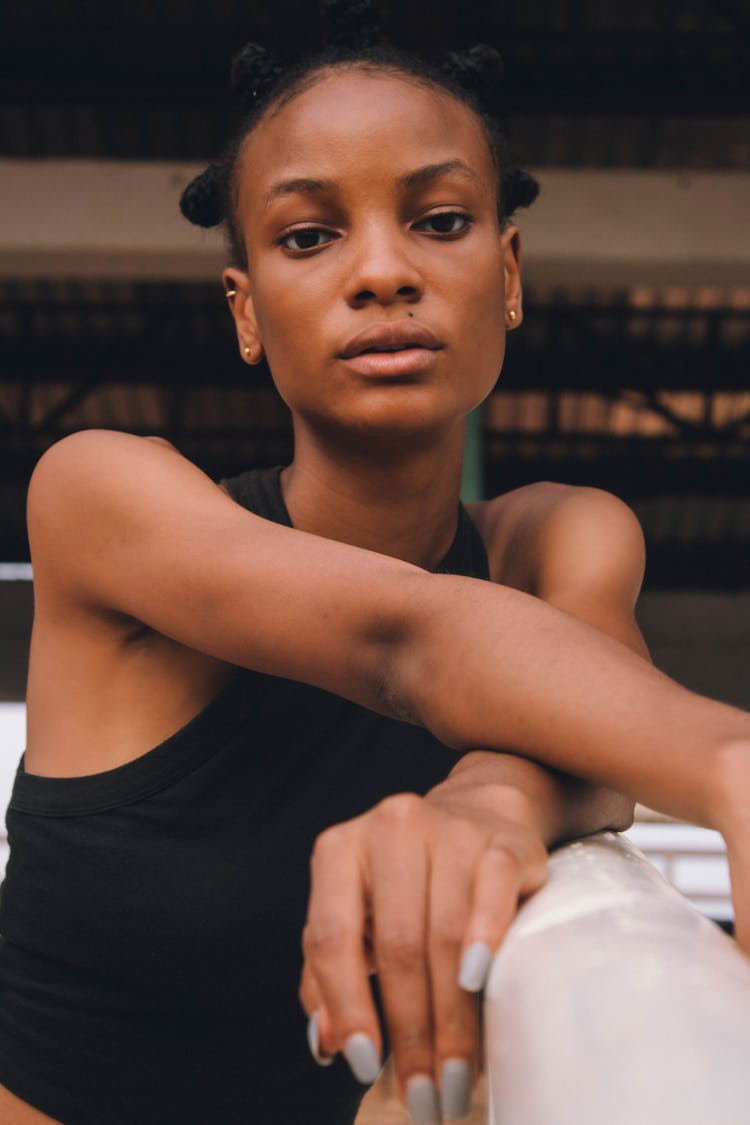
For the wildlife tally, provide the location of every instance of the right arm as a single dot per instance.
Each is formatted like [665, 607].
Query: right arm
[120, 523]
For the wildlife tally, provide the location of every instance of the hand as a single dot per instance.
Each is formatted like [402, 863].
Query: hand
[410, 890]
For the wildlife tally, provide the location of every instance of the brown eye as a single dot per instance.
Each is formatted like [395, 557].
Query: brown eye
[305, 238]
[447, 222]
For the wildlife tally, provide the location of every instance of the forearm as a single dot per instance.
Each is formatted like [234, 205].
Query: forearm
[561, 807]
[495, 668]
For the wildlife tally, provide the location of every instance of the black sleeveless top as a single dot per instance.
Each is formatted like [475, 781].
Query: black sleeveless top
[151, 914]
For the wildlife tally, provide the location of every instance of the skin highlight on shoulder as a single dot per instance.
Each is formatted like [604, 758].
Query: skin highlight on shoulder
[578, 548]
[508, 524]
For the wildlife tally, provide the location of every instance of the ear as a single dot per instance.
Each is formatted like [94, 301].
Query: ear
[240, 301]
[511, 240]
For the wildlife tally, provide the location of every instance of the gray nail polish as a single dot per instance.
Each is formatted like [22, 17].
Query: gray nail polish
[474, 966]
[313, 1041]
[456, 1088]
[422, 1100]
[362, 1057]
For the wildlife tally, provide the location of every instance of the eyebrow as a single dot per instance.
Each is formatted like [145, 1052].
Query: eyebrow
[420, 177]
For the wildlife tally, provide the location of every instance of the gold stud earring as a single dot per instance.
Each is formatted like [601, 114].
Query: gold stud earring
[512, 316]
[252, 356]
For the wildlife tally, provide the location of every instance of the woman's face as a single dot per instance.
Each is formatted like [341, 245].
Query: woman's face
[369, 201]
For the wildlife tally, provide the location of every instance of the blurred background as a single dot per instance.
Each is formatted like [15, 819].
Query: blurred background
[630, 372]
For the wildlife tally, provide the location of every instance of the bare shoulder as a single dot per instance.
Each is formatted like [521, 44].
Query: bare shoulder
[162, 441]
[546, 527]
[89, 455]
[578, 548]
[82, 483]
[509, 525]
[120, 524]
[89, 462]
[589, 537]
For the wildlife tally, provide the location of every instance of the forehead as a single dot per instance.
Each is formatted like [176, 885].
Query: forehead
[351, 121]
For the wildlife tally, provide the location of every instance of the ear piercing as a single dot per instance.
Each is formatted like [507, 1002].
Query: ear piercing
[512, 316]
[252, 356]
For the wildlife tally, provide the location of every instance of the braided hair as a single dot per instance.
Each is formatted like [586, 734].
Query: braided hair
[261, 82]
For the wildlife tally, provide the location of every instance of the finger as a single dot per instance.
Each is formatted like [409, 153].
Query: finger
[455, 1011]
[333, 944]
[400, 873]
[309, 993]
[318, 1023]
[499, 883]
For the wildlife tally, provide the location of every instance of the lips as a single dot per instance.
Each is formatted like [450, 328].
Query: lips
[391, 336]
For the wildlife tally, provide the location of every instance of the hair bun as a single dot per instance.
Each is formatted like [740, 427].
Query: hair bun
[202, 201]
[478, 69]
[518, 189]
[351, 23]
[252, 73]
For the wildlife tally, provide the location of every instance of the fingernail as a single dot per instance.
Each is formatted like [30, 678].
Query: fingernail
[313, 1041]
[474, 966]
[455, 1087]
[362, 1057]
[422, 1100]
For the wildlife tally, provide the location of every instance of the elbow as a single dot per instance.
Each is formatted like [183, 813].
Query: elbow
[398, 669]
[418, 683]
[408, 666]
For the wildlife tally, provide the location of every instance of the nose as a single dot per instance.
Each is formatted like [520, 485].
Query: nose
[382, 271]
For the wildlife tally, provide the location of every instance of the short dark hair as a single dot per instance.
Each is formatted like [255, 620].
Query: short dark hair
[263, 84]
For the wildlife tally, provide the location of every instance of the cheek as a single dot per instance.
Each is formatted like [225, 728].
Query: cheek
[482, 328]
[287, 330]
[483, 306]
[480, 273]
[281, 323]
[287, 306]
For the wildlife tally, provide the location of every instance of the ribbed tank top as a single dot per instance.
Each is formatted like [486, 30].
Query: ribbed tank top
[151, 914]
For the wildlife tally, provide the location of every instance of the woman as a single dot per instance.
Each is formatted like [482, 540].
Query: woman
[222, 677]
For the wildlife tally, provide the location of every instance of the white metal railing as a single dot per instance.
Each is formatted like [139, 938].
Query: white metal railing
[612, 999]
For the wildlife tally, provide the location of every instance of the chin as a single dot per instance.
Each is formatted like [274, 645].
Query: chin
[400, 414]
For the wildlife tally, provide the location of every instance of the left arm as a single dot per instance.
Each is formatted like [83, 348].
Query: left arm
[589, 560]
[422, 890]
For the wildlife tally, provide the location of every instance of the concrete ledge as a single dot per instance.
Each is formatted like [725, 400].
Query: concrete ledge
[120, 219]
[102, 218]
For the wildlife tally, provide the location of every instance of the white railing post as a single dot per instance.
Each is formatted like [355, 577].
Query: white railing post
[612, 1001]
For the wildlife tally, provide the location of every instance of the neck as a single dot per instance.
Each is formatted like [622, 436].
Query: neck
[402, 504]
